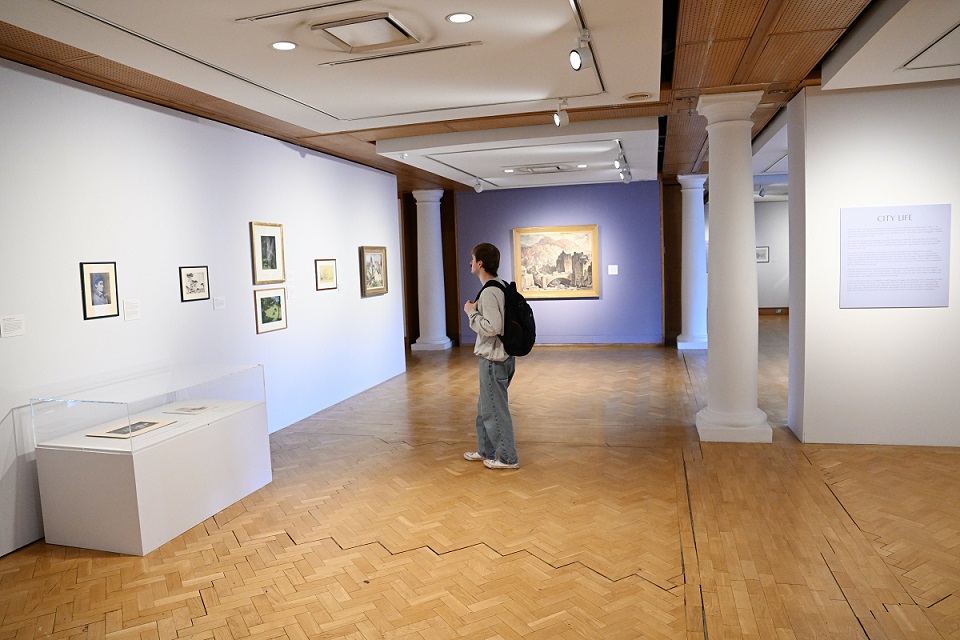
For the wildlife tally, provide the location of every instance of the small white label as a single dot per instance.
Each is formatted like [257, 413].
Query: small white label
[131, 309]
[13, 326]
[219, 304]
[613, 269]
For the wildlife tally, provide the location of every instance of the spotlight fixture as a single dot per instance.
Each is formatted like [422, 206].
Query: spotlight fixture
[581, 57]
[625, 175]
[561, 118]
[478, 186]
[619, 162]
[763, 192]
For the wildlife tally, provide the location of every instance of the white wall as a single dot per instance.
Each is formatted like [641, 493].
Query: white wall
[875, 375]
[773, 278]
[88, 176]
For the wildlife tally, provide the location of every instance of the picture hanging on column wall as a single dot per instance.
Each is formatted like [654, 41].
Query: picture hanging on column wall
[271, 309]
[763, 254]
[326, 273]
[373, 271]
[98, 285]
[557, 262]
[267, 248]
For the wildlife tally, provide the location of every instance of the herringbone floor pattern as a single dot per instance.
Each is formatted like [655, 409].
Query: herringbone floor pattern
[619, 524]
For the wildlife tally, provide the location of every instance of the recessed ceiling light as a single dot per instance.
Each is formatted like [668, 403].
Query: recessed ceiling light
[459, 18]
[284, 46]
[581, 166]
[508, 170]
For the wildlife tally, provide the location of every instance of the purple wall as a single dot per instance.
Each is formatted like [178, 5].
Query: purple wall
[629, 309]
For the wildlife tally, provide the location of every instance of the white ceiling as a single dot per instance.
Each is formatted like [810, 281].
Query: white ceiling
[512, 58]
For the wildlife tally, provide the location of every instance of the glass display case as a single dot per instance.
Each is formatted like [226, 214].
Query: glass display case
[130, 461]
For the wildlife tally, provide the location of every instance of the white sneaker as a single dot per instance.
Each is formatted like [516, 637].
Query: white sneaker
[473, 456]
[496, 464]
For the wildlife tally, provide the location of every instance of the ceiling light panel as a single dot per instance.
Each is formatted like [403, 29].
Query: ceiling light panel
[366, 33]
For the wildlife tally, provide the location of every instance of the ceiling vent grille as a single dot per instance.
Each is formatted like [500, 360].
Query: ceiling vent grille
[366, 33]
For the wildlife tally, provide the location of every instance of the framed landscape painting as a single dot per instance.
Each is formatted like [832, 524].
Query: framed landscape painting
[326, 273]
[98, 286]
[557, 262]
[266, 239]
[271, 309]
[373, 271]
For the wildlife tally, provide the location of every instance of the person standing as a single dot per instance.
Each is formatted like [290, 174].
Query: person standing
[495, 443]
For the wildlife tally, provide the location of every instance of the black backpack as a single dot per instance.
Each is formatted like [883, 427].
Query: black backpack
[519, 327]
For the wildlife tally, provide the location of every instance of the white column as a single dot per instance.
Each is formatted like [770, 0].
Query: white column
[693, 266]
[732, 414]
[433, 334]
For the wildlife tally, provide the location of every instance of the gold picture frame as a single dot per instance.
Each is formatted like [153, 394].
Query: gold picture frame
[266, 240]
[373, 271]
[557, 262]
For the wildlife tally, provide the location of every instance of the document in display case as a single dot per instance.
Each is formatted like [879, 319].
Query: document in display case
[125, 464]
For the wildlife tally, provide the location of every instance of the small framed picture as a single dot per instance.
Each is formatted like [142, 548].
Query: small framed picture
[194, 284]
[763, 254]
[266, 239]
[98, 285]
[373, 271]
[326, 273]
[271, 309]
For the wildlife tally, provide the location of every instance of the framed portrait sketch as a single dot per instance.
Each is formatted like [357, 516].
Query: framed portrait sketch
[763, 254]
[557, 262]
[267, 248]
[194, 284]
[326, 273]
[373, 271]
[271, 308]
[98, 284]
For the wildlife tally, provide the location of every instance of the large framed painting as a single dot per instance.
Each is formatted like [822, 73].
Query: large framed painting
[557, 262]
[271, 309]
[98, 285]
[373, 271]
[194, 284]
[267, 247]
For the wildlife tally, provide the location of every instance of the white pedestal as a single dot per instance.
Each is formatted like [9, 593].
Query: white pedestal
[101, 494]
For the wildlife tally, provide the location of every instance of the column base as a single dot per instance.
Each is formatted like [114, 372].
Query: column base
[691, 342]
[749, 426]
[431, 345]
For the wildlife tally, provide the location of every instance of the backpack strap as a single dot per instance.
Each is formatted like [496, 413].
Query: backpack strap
[493, 282]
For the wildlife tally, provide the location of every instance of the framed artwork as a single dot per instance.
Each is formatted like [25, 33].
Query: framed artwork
[271, 308]
[763, 254]
[373, 271]
[98, 284]
[326, 271]
[130, 430]
[194, 284]
[266, 239]
[557, 262]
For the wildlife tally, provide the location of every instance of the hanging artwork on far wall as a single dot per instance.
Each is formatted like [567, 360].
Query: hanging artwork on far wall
[98, 285]
[557, 262]
[267, 248]
[326, 273]
[373, 271]
[271, 309]
[194, 284]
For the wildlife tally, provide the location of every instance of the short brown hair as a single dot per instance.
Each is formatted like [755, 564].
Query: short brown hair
[489, 255]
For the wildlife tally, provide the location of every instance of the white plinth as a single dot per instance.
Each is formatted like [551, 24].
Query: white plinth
[750, 426]
[431, 345]
[97, 493]
[691, 342]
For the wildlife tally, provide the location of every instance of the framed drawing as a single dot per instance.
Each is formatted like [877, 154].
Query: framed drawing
[763, 254]
[557, 262]
[271, 309]
[98, 284]
[373, 271]
[267, 249]
[326, 273]
[194, 284]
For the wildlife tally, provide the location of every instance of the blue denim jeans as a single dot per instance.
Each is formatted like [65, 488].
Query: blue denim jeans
[494, 424]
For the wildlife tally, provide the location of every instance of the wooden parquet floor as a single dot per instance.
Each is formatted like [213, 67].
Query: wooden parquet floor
[619, 524]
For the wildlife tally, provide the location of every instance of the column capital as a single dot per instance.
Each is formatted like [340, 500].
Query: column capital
[725, 107]
[428, 195]
[692, 181]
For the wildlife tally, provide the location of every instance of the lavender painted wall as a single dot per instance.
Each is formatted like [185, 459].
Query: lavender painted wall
[629, 309]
